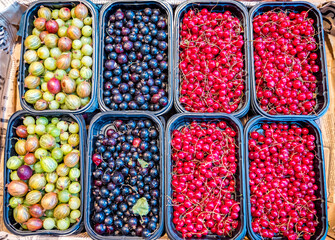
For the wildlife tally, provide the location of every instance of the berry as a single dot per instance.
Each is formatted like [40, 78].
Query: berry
[282, 188]
[284, 62]
[204, 159]
[211, 62]
[134, 39]
[121, 166]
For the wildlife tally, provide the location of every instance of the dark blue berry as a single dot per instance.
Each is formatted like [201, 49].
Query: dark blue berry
[119, 15]
[99, 217]
[130, 15]
[125, 230]
[102, 203]
[112, 56]
[133, 105]
[107, 210]
[161, 35]
[162, 45]
[109, 48]
[145, 49]
[122, 58]
[123, 106]
[118, 98]
[161, 24]
[118, 223]
[117, 178]
[116, 80]
[108, 221]
[148, 11]
[154, 18]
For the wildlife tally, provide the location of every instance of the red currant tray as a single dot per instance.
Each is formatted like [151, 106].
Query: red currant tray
[310, 143]
[238, 11]
[179, 121]
[313, 101]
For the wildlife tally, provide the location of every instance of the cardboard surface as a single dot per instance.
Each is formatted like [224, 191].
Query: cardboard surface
[9, 104]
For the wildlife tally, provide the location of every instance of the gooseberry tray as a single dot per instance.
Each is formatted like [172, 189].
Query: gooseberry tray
[26, 27]
[16, 120]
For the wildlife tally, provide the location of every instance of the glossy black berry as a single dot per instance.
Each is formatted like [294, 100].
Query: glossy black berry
[133, 39]
[122, 180]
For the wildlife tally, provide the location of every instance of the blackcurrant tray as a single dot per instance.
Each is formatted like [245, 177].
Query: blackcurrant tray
[254, 124]
[322, 99]
[238, 10]
[100, 123]
[111, 7]
[177, 122]
[15, 120]
[26, 27]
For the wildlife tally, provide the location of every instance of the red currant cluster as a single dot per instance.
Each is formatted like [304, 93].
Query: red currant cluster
[211, 62]
[282, 181]
[204, 159]
[285, 62]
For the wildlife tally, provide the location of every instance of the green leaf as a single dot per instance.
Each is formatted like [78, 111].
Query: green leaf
[143, 163]
[141, 207]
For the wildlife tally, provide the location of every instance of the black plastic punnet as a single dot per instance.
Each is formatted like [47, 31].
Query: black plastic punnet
[111, 7]
[99, 124]
[320, 175]
[322, 98]
[27, 25]
[177, 122]
[16, 120]
[238, 10]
